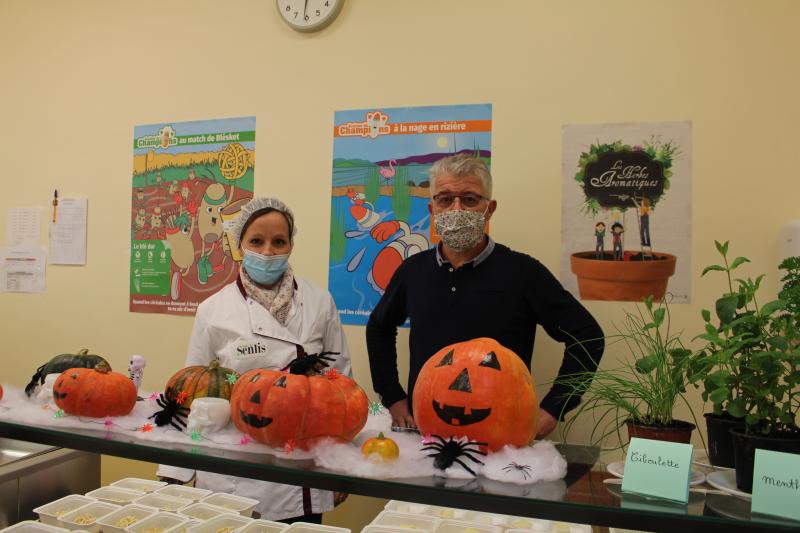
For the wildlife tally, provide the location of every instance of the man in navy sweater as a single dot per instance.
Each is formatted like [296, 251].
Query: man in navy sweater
[469, 286]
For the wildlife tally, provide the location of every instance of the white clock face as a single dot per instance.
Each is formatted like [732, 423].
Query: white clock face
[309, 15]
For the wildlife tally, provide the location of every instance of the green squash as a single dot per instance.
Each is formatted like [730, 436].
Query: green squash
[60, 363]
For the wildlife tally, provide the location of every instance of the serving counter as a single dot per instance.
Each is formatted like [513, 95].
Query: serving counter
[588, 494]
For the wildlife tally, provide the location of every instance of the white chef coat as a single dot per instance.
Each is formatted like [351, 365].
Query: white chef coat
[243, 335]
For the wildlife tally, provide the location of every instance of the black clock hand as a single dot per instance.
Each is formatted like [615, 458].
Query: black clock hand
[305, 8]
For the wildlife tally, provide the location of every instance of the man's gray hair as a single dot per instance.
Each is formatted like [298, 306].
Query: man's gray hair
[462, 166]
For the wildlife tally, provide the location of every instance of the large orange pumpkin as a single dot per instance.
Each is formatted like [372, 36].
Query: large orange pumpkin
[95, 392]
[201, 381]
[277, 408]
[478, 389]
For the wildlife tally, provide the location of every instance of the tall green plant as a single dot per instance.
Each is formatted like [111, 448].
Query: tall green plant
[646, 387]
[372, 187]
[401, 195]
[750, 365]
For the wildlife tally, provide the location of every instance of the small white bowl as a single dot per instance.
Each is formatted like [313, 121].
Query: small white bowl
[125, 517]
[224, 523]
[49, 513]
[263, 526]
[163, 501]
[182, 491]
[137, 483]
[86, 517]
[237, 504]
[157, 523]
[32, 526]
[203, 511]
[115, 495]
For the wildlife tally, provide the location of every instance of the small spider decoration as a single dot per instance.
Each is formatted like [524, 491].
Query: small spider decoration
[310, 364]
[448, 452]
[172, 412]
[524, 470]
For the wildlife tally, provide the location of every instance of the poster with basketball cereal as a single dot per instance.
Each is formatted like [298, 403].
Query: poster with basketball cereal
[188, 179]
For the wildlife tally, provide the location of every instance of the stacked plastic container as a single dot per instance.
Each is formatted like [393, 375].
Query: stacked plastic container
[400, 516]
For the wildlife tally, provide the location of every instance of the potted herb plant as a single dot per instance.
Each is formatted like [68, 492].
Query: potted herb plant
[750, 366]
[643, 391]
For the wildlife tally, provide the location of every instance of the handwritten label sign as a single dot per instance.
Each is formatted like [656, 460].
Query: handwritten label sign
[658, 468]
[623, 179]
[776, 484]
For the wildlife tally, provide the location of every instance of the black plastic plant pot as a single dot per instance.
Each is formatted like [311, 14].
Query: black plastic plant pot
[720, 442]
[744, 447]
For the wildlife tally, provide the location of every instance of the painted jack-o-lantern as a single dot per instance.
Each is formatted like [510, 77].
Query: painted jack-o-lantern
[277, 408]
[478, 389]
[94, 392]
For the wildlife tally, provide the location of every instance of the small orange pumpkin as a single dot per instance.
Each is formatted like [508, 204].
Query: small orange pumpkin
[276, 408]
[95, 392]
[478, 389]
[383, 447]
[201, 381]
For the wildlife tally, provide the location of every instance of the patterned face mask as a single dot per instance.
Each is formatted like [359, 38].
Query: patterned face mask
[460, 230]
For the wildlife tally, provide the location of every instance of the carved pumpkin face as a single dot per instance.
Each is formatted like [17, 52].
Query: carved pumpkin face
[276, 407]
[94, 392]
[477, 389]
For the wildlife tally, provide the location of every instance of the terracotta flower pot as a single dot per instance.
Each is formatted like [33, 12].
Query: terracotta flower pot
[630, 280]
[679, 431]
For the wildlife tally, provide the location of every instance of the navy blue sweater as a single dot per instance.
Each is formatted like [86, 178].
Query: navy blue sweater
[504, 297]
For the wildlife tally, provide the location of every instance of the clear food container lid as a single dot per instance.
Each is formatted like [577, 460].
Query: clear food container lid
[115, 495]
[163, 501]
[137, 483]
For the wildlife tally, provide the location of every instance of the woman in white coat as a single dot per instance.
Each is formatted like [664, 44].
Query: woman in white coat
[265, 319]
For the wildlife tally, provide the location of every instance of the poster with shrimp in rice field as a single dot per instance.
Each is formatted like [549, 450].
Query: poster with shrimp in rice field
[381, 189]
[189, 179]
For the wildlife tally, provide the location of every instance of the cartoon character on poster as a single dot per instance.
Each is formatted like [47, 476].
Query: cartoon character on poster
[185, 176]
[380, 194]
[616, 179]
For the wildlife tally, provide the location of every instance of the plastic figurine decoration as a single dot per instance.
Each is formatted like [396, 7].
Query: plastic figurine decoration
[599, 235]
[136, 370]
[208, 415]
[171, 413]
[310, 364]
[644, 211]
[447, 452]
[617, 230]
[524, 470]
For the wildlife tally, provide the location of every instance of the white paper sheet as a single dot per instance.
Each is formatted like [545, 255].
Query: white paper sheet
[68, 232]
[22, 268]
[24, 226]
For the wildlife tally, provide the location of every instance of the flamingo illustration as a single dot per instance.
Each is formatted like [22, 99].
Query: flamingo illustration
[389, 172]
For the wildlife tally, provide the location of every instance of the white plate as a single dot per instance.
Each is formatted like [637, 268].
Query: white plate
[700, 458]
[725, 480]
[617, 469]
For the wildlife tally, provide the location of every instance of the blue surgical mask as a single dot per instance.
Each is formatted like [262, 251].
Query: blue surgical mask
[265, 269]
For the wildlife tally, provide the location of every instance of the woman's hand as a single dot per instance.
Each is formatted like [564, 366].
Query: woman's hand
[339, 497]
[401, 416]
[546, 424]
[170, 480]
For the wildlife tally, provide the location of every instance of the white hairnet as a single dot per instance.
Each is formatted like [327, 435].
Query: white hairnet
[237, 225]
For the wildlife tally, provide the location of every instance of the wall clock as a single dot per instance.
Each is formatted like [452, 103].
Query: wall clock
[308, 15]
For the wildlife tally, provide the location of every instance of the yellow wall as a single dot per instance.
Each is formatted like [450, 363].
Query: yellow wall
[76, 77]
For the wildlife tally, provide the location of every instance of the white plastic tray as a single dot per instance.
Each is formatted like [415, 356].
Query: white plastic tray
[182, 491]
[163, 502]
[264, 526]
[157, 523]
[137, 483]
[32, 526]
[237, 504]
[110, 522]
[224, 523]
[95, 509]
[49, 513]
[117, 496]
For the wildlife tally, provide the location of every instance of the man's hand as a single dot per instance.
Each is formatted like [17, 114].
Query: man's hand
[547, 423]
[401, 416]
[339, 498]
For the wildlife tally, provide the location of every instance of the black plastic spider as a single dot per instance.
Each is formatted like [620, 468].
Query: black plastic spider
[172, 412]
[310, 364]
[449, 451]
[525, 470]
